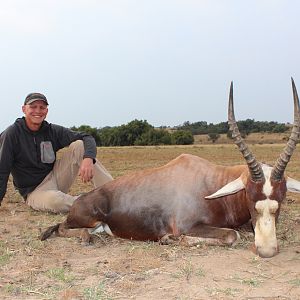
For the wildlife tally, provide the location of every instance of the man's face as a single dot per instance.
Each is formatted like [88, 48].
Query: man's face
[35, 113]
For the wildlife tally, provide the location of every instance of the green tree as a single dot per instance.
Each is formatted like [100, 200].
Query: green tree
[154, 137]
[183, 137]
[124, 135]
[88, 129]
[133, 130]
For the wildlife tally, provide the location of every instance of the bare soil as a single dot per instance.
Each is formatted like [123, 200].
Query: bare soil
[112, 268]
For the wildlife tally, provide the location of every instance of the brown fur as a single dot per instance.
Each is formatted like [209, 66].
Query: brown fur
[162, 204]
[150, 204]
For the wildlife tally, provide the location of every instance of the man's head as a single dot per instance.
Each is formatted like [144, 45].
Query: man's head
[35, 97]
[35, 109]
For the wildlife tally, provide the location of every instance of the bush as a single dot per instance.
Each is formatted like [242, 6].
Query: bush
[182, 137]
[154, 137]
[213, 136]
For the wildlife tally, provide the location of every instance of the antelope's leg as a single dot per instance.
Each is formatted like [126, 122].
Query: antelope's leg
[82, 233]
[209, 235]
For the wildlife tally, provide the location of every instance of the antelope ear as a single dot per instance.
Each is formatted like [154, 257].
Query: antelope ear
[228, 189]
[292, 185]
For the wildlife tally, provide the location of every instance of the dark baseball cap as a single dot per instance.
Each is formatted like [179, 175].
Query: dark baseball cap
[35, 97]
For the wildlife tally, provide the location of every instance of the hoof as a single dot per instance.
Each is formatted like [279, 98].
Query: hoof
[86, 238]
[168, 239]
[86, 244]
[232, 238]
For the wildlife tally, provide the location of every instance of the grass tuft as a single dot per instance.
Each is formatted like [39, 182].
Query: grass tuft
[96, 293]
[60, 274]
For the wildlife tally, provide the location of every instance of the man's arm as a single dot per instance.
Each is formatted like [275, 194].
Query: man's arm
[3, 185]
[86, 170]
[90, 148]
[6, 161]
[67, 136]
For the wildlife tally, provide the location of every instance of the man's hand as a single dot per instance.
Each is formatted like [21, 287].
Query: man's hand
[86, 170]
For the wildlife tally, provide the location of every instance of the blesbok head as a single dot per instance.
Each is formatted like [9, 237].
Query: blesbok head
[265, 186]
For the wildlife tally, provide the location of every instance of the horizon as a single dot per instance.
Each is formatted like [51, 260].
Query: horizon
[180, 125]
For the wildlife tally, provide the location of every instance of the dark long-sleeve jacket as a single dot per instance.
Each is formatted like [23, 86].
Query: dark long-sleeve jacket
[20, 153]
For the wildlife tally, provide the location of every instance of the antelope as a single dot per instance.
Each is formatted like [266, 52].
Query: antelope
[191, 199]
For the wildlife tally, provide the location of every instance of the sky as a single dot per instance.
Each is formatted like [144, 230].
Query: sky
[105, 63]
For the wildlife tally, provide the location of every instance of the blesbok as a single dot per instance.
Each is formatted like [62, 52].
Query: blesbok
[192, 198]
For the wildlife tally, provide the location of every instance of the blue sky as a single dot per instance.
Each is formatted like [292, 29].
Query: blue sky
[105, 63]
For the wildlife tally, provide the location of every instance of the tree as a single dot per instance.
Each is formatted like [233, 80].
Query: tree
[134, 129]
[88, 129]
[154, 137]
[124, 135]
[183, 137]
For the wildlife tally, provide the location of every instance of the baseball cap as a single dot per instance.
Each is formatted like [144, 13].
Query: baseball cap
[35, 97]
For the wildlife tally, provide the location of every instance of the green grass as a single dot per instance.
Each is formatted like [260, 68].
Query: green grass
[21, 291]
[200, 272]
[60, 275]
[96, 293]
[5, 253]
[295, 282]
[228, 292]
[186, 270]
[253, 282]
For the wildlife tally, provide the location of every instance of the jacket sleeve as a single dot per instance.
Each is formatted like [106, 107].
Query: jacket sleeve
[90, 149]
[67, 136]
[6, 160]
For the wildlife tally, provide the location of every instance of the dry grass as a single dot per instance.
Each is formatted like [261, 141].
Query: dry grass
[120, 269]
[253, 138]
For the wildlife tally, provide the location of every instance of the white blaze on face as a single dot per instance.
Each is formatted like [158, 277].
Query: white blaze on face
[265, 228]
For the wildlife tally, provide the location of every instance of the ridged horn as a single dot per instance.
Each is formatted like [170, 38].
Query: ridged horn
[284, 158]
[254, 166]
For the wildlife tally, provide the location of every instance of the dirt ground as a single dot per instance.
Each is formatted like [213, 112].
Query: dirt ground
[112, 268]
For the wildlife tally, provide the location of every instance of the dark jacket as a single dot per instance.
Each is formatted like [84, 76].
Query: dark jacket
[20, 153]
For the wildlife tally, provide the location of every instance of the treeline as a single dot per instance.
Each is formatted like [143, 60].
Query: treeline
[137, 132]
[246, 127]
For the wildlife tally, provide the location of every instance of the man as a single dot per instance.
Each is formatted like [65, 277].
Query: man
[28, 151]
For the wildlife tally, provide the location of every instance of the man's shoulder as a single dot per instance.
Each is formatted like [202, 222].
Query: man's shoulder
[11, 129]
[57, 128]
[17, 126]
[10, 135]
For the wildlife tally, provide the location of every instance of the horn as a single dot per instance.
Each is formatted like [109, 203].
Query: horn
[254, 166]
[284, 158]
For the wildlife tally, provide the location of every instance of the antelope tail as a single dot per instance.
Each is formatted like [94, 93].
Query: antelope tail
[49, 231]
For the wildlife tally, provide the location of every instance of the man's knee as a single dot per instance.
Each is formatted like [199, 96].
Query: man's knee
[51, 201]
[77, 150]
[59, 202]
[77, 146]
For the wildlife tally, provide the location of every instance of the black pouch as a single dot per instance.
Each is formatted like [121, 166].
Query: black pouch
[47, 153]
